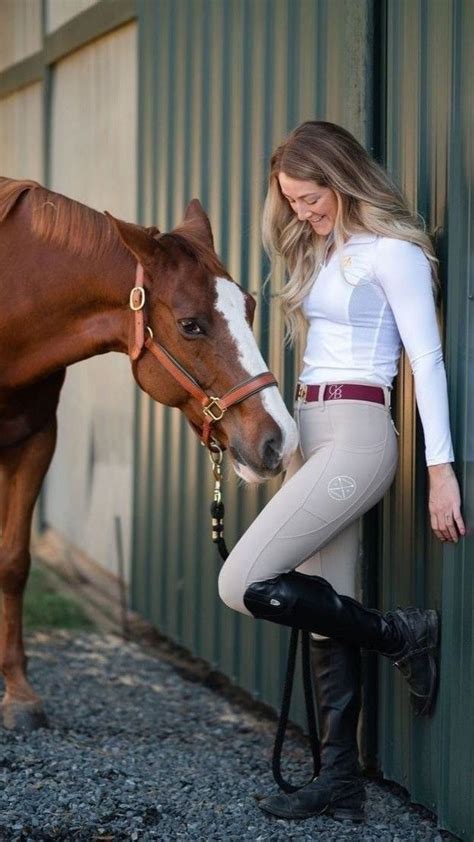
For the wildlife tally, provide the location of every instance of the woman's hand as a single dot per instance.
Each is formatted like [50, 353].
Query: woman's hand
[445, 503]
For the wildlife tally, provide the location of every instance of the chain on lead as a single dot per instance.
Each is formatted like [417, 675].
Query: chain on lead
[217, 488]
[216, 455]
[217, 471]
[217, 507]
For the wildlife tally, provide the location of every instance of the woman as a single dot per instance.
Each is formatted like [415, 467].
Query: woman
[362, 277]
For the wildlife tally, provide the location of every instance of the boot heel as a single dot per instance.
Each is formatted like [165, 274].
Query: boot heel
[348, 806]
[345, 810]
[434, 635]
[434, 629]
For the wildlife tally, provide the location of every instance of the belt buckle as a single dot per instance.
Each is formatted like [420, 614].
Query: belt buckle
[301, 391]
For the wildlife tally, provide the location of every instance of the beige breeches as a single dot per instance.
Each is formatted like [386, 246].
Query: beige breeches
[346, 461]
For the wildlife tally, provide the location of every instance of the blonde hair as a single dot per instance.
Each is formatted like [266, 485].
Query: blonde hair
[367, 201]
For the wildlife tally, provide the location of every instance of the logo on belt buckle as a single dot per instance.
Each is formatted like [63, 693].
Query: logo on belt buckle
[301, 391]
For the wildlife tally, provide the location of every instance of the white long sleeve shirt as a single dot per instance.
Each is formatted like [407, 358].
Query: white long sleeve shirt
[358, 323]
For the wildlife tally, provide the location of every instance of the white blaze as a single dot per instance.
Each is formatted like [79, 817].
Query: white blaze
[231, 304]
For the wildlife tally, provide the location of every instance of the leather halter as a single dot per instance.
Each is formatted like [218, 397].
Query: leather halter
[212, 407]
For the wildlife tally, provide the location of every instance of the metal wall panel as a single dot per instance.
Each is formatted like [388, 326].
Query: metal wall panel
[429, 150]
[20, 30]
[21, 116]
[456, 801]
[60, 11]
[220, 85]
[92, 159]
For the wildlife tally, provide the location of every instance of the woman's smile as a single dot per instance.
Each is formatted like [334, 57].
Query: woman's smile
[315, 219]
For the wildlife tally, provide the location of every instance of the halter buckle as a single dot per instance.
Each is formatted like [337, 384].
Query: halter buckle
[208, 409]
[137, 299]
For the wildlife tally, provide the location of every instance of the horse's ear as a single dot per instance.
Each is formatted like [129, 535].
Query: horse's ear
[196, 216]
[137, 239]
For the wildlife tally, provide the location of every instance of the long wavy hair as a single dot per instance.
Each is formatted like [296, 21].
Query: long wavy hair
[367, 201]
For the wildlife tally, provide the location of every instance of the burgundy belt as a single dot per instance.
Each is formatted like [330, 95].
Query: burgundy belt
[341, 391]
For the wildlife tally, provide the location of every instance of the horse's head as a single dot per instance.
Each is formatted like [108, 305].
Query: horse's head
[203, 319]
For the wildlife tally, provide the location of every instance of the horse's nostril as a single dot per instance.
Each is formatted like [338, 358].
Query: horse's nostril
[271, 453]
[237, 455]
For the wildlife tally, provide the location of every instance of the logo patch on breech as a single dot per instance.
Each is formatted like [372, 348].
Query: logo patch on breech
[341, 488]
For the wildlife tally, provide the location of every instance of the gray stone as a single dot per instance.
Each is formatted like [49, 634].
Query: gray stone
[135, 752]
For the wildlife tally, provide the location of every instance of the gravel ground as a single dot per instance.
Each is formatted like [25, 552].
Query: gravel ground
[136, 752]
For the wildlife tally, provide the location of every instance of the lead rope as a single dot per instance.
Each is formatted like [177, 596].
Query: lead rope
[217, 515]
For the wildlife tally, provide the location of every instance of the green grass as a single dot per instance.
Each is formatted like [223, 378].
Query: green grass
[47, 608]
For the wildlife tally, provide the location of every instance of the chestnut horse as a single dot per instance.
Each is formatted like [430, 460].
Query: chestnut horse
[67, 273]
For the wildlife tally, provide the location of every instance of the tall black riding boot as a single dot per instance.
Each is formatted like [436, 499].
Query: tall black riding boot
[338, 790]
[409, 637]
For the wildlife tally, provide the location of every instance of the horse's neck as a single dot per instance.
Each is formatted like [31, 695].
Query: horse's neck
[96, 305]
[63, 309]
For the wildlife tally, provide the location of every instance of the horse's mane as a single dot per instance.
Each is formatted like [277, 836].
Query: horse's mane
[10, 192]
[58, 220]
[64, 222]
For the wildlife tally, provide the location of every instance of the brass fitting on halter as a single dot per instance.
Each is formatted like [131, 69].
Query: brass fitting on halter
[208, 409]
[137, 303]
[137, 299]
[216, 455]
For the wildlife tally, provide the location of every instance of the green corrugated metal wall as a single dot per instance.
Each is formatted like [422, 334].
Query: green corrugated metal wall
[221, 84]
[456, 809]
[428, 128]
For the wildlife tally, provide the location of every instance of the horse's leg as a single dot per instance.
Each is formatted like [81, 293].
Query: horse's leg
[24, 467]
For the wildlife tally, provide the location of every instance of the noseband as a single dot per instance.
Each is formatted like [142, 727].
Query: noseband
[213, 407]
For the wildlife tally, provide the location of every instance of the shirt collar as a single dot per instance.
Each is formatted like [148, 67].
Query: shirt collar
[362, 237]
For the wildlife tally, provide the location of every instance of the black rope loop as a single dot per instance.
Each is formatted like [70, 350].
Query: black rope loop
[217, 514]
[285, 709]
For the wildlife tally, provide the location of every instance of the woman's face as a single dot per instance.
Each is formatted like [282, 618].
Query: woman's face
[317, 205]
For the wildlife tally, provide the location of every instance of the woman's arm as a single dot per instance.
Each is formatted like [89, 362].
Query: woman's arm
[404, 273]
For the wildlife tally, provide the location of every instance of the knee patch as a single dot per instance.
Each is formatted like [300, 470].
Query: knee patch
[229, 592]
[268, 599]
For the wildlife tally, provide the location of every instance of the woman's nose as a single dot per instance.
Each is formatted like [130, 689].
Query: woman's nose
[303, 213]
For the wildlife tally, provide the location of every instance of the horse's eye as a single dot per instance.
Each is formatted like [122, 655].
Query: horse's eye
[190, 327]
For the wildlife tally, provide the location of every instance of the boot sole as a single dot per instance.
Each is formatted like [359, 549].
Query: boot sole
[334, 812]
[434, 636]
[340, 813]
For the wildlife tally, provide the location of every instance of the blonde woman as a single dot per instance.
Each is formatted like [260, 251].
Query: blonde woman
[362, 278]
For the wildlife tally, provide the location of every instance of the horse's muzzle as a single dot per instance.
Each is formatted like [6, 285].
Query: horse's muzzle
[265, 462]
